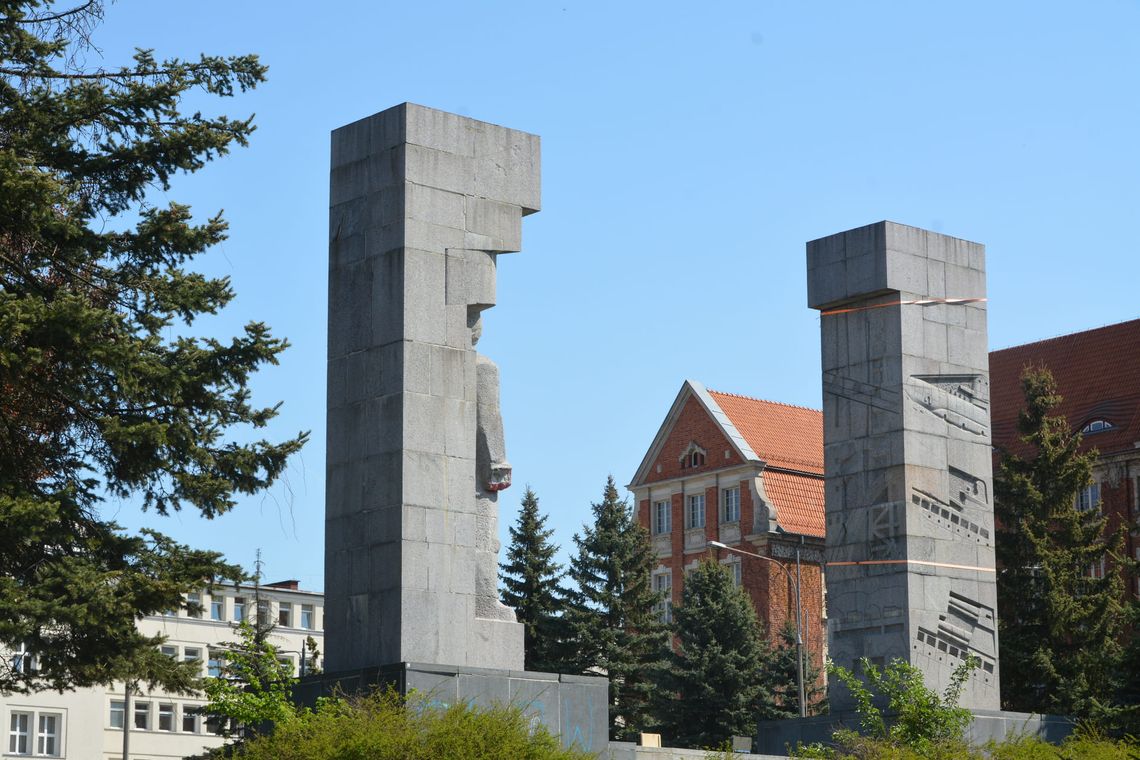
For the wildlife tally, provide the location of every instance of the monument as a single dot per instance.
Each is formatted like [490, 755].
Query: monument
[908, 471]
[910, 529]
[422, 202]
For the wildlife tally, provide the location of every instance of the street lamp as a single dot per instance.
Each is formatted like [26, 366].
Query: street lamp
[799, 612]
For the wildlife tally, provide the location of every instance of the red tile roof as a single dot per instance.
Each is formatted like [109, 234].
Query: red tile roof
[798, 500]
[1097, 373]
[783, 435]
[790, 440]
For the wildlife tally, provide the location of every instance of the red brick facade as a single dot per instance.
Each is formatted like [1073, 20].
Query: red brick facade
[1098, 376]
[729, 441]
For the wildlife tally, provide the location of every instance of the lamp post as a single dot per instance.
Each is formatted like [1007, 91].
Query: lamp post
[799, 612]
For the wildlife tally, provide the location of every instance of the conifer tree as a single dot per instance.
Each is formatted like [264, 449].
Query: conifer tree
[783, 693]
[530, 585]
[720, 677]
[613, 625]
[1059, 623]
[104, 391]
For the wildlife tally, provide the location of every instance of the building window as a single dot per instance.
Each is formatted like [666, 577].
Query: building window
[1088, 497]
[190, 720]
[696, 515]
[118, 712]
[192, 654]
[307, 617]
[263, 612]
[1097, 426]
[217, 608]
[239, 609]
[692, 456]
[194, 604]
[1096, 569]
[170, 651]
[215, 664]
[24, 661]
[734, 568]
[165, 717]
[1136, 495]
[18, 735]
[285, 614]
[731, 504]
[1136, 556]
[47, 738]
[663, 584]
[142, 715]
[662, 517]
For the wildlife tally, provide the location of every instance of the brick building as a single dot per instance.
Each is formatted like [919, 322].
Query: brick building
[1098, 376]
[749, 474]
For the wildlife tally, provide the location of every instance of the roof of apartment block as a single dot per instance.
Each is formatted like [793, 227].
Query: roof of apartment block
[1098, 376]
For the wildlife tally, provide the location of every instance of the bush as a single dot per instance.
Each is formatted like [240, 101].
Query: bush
[383, 726]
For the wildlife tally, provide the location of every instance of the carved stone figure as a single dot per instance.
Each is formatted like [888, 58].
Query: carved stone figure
[492, 475]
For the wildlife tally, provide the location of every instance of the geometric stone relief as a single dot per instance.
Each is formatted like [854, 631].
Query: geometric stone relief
[950, 517]
[958, 400]
[966, 628]
[970, 490]
[884, 526]
[885, 399]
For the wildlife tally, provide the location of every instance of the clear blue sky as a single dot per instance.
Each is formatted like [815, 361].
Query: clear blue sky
[689, 151]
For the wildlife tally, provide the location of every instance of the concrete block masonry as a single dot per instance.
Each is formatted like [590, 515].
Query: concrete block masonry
[910, 529]
[421, 204]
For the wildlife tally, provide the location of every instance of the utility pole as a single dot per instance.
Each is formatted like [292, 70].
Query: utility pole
[128, 686]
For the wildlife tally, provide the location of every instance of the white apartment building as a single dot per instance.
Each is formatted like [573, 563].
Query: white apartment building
[86, 724]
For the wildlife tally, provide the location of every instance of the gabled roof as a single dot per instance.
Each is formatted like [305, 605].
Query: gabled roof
[786, 440]
[785, 436]
[1097, 373]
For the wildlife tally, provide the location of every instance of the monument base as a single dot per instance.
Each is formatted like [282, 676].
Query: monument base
[575, 708]
[773, 736]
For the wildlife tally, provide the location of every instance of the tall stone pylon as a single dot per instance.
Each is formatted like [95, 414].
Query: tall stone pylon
[421, 204]
[909, 492]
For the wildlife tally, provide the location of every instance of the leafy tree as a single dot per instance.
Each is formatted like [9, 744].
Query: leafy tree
[255, 686]
[102, 389]
[1059, 624]
[718, 680]
[613, 626]
[530, 585]
[916, 717]
[783, 697]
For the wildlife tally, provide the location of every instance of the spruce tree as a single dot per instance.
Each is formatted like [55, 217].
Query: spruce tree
[530, 585]
[104, 390]
[1058, 623]
[719, 680]
[783, 693]
[613, 625]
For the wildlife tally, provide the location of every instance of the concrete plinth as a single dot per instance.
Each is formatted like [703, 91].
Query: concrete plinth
[575, 708]
[773, 736]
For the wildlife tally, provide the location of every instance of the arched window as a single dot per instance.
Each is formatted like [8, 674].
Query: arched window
[692, 456]
[1097, 426]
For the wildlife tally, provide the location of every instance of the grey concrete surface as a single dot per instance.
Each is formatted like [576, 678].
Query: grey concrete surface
[910, 546]
[575, 708]
[422, 203]
[775, 736]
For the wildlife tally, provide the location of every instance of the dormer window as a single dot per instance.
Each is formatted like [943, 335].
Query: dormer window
[692, 456]
[1097, 426]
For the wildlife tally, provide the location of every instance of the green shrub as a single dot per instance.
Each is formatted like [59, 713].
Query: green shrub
[385, 727]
